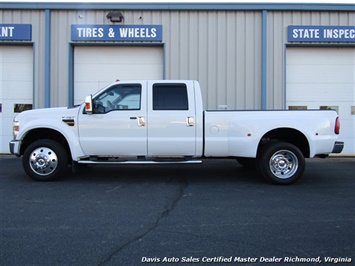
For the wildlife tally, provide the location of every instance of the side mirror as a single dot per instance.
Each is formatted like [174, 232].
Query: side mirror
[88, 104]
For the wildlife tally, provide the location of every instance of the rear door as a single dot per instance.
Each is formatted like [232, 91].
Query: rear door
[171, 119]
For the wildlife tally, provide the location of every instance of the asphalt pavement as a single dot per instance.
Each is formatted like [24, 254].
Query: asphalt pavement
[216, 213]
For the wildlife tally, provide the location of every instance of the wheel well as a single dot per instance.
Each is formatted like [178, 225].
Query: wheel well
[44, 133]
[289, 135]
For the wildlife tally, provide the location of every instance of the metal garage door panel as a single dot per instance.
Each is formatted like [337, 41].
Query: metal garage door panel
[16, 79]
[318, 77]
[97, 66]
[311, 56]
[320, 74]
[320, 91]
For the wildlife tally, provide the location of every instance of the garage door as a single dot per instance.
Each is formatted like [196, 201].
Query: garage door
[321, 78]
[98, 66]
[16, 88]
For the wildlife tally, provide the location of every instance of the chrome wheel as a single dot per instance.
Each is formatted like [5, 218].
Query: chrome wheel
[280, 162]
[43, 161]
[283, 164]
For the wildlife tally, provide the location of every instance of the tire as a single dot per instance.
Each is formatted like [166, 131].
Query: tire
[281, 163]
[45, 160]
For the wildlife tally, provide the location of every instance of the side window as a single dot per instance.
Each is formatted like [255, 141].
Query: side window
[20, 107]
[170, 97]
[119, 97]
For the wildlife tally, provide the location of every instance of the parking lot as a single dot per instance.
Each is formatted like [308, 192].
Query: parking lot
[214, 213]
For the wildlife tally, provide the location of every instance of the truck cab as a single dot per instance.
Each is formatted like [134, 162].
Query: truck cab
[128, 119]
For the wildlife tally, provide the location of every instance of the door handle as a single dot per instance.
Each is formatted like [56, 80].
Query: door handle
[141, 121]
[190, 121]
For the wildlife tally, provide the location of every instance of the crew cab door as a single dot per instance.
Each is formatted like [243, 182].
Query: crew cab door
[171, 119]
[117, 126]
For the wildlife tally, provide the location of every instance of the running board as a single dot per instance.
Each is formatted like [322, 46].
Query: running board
[140, 162]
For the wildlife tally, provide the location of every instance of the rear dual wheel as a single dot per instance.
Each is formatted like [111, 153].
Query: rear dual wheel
[281, 162]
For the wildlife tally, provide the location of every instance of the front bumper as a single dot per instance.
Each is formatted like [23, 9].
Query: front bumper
[338, 147]
[14, 146]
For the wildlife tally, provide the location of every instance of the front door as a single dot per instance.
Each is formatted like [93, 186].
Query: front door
[117, 125]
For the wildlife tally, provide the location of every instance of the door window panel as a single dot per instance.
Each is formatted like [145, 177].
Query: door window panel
[170, 97]
[118, 97]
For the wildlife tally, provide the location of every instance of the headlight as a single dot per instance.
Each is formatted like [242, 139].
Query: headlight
[16, 128]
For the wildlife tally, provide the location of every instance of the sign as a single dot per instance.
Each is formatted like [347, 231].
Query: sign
[19, 32]
[321, 33]
[117, 33]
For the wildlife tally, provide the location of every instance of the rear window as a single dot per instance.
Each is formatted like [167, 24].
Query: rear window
[170, 97]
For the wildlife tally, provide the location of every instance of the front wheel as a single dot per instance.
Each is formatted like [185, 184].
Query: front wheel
[281, 163]
[44, 160]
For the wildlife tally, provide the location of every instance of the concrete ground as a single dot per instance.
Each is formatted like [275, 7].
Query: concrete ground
[214, 213]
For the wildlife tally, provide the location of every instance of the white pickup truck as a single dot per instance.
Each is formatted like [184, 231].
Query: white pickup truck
[163, 121]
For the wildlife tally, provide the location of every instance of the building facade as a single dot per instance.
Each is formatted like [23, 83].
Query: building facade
[245, 56]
